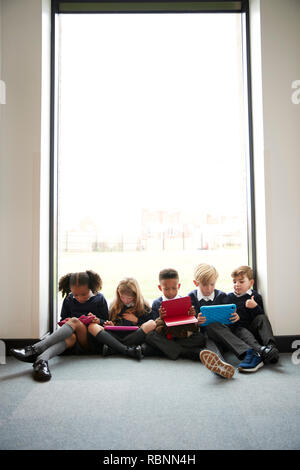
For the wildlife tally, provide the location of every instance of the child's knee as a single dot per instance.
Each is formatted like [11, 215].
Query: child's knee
[94, 328]
[74, 322]
[149, 326]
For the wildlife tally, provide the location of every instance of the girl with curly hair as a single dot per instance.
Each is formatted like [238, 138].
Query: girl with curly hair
[81, 298]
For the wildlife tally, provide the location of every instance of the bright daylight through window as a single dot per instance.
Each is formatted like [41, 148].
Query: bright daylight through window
[151, 147]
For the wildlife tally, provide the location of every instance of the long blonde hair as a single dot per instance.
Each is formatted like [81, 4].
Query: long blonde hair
[129, 286]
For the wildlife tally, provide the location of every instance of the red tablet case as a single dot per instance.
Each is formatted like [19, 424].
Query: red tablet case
[177, 311]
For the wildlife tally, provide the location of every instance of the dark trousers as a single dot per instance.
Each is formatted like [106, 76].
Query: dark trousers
[138, 337]
[235, 338]
[184, 347]
[261, 328]
[130, 339]
[212, 346]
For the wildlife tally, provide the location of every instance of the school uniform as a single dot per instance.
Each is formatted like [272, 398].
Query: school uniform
[156, 304]
[215, 342]
[226, 337]
[199, 300]
[253, 319]
[96, 305]
[121, 321]
[183, 340]
[136, 337]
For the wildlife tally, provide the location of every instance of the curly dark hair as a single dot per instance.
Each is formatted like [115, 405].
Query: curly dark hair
[86, 278]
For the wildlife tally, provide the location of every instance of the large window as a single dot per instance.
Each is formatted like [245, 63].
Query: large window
[151, 146]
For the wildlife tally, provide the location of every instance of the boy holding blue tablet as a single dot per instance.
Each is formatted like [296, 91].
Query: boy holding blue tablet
[231, 337]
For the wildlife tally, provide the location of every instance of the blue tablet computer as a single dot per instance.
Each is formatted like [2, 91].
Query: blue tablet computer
[217, 314]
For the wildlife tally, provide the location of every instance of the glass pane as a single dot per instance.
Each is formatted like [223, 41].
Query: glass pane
[151, 153]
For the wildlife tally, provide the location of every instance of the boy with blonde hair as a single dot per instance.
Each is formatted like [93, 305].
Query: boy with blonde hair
[231, 337]
[251, 312]
[205, 278]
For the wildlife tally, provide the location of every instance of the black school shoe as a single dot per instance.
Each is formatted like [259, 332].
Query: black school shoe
[269, 354]
[41, 371]
[107, 351]
[131, 351]
[27, 354]
[135, 352]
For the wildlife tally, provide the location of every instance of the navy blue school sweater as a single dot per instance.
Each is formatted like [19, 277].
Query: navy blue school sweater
[96, 305]
[156, 306]
[246, 315]
[120, 321]
[220, 299]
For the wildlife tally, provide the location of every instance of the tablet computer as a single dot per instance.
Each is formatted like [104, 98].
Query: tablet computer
[217, 313]
[177, 311]
[85, 319]
[121, 328]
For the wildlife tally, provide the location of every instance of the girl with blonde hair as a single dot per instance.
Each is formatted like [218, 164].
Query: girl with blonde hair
[129, 308]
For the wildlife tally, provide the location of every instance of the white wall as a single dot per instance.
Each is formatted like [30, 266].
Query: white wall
[0, 35]
[0, 54]
[275, 39]
[24, 168]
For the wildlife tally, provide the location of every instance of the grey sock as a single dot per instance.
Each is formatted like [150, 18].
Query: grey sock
[52, 351]
[59, 335]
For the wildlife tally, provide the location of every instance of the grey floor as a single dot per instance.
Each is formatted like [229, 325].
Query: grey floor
[118, 403]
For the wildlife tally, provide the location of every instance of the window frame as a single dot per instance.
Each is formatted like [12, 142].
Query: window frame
[146, 7]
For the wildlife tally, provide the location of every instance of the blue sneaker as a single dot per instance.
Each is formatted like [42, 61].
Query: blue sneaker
[251, 362]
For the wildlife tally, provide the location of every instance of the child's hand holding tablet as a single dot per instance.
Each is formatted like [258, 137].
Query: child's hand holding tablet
[224, 314]
[178, 312]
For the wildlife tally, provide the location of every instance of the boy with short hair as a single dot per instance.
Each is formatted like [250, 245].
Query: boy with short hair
[250, 309]
[205, 278]
[237, 339]
[186, 340]
[169, 286]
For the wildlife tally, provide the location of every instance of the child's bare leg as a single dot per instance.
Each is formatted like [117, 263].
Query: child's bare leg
[94, 328]
[148, 326]
[80, 331]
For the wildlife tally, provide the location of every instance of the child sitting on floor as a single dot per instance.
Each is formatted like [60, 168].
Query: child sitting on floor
[251, 312]
[232, 337]
[82, 297]
[184, 341]
[128, 309]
